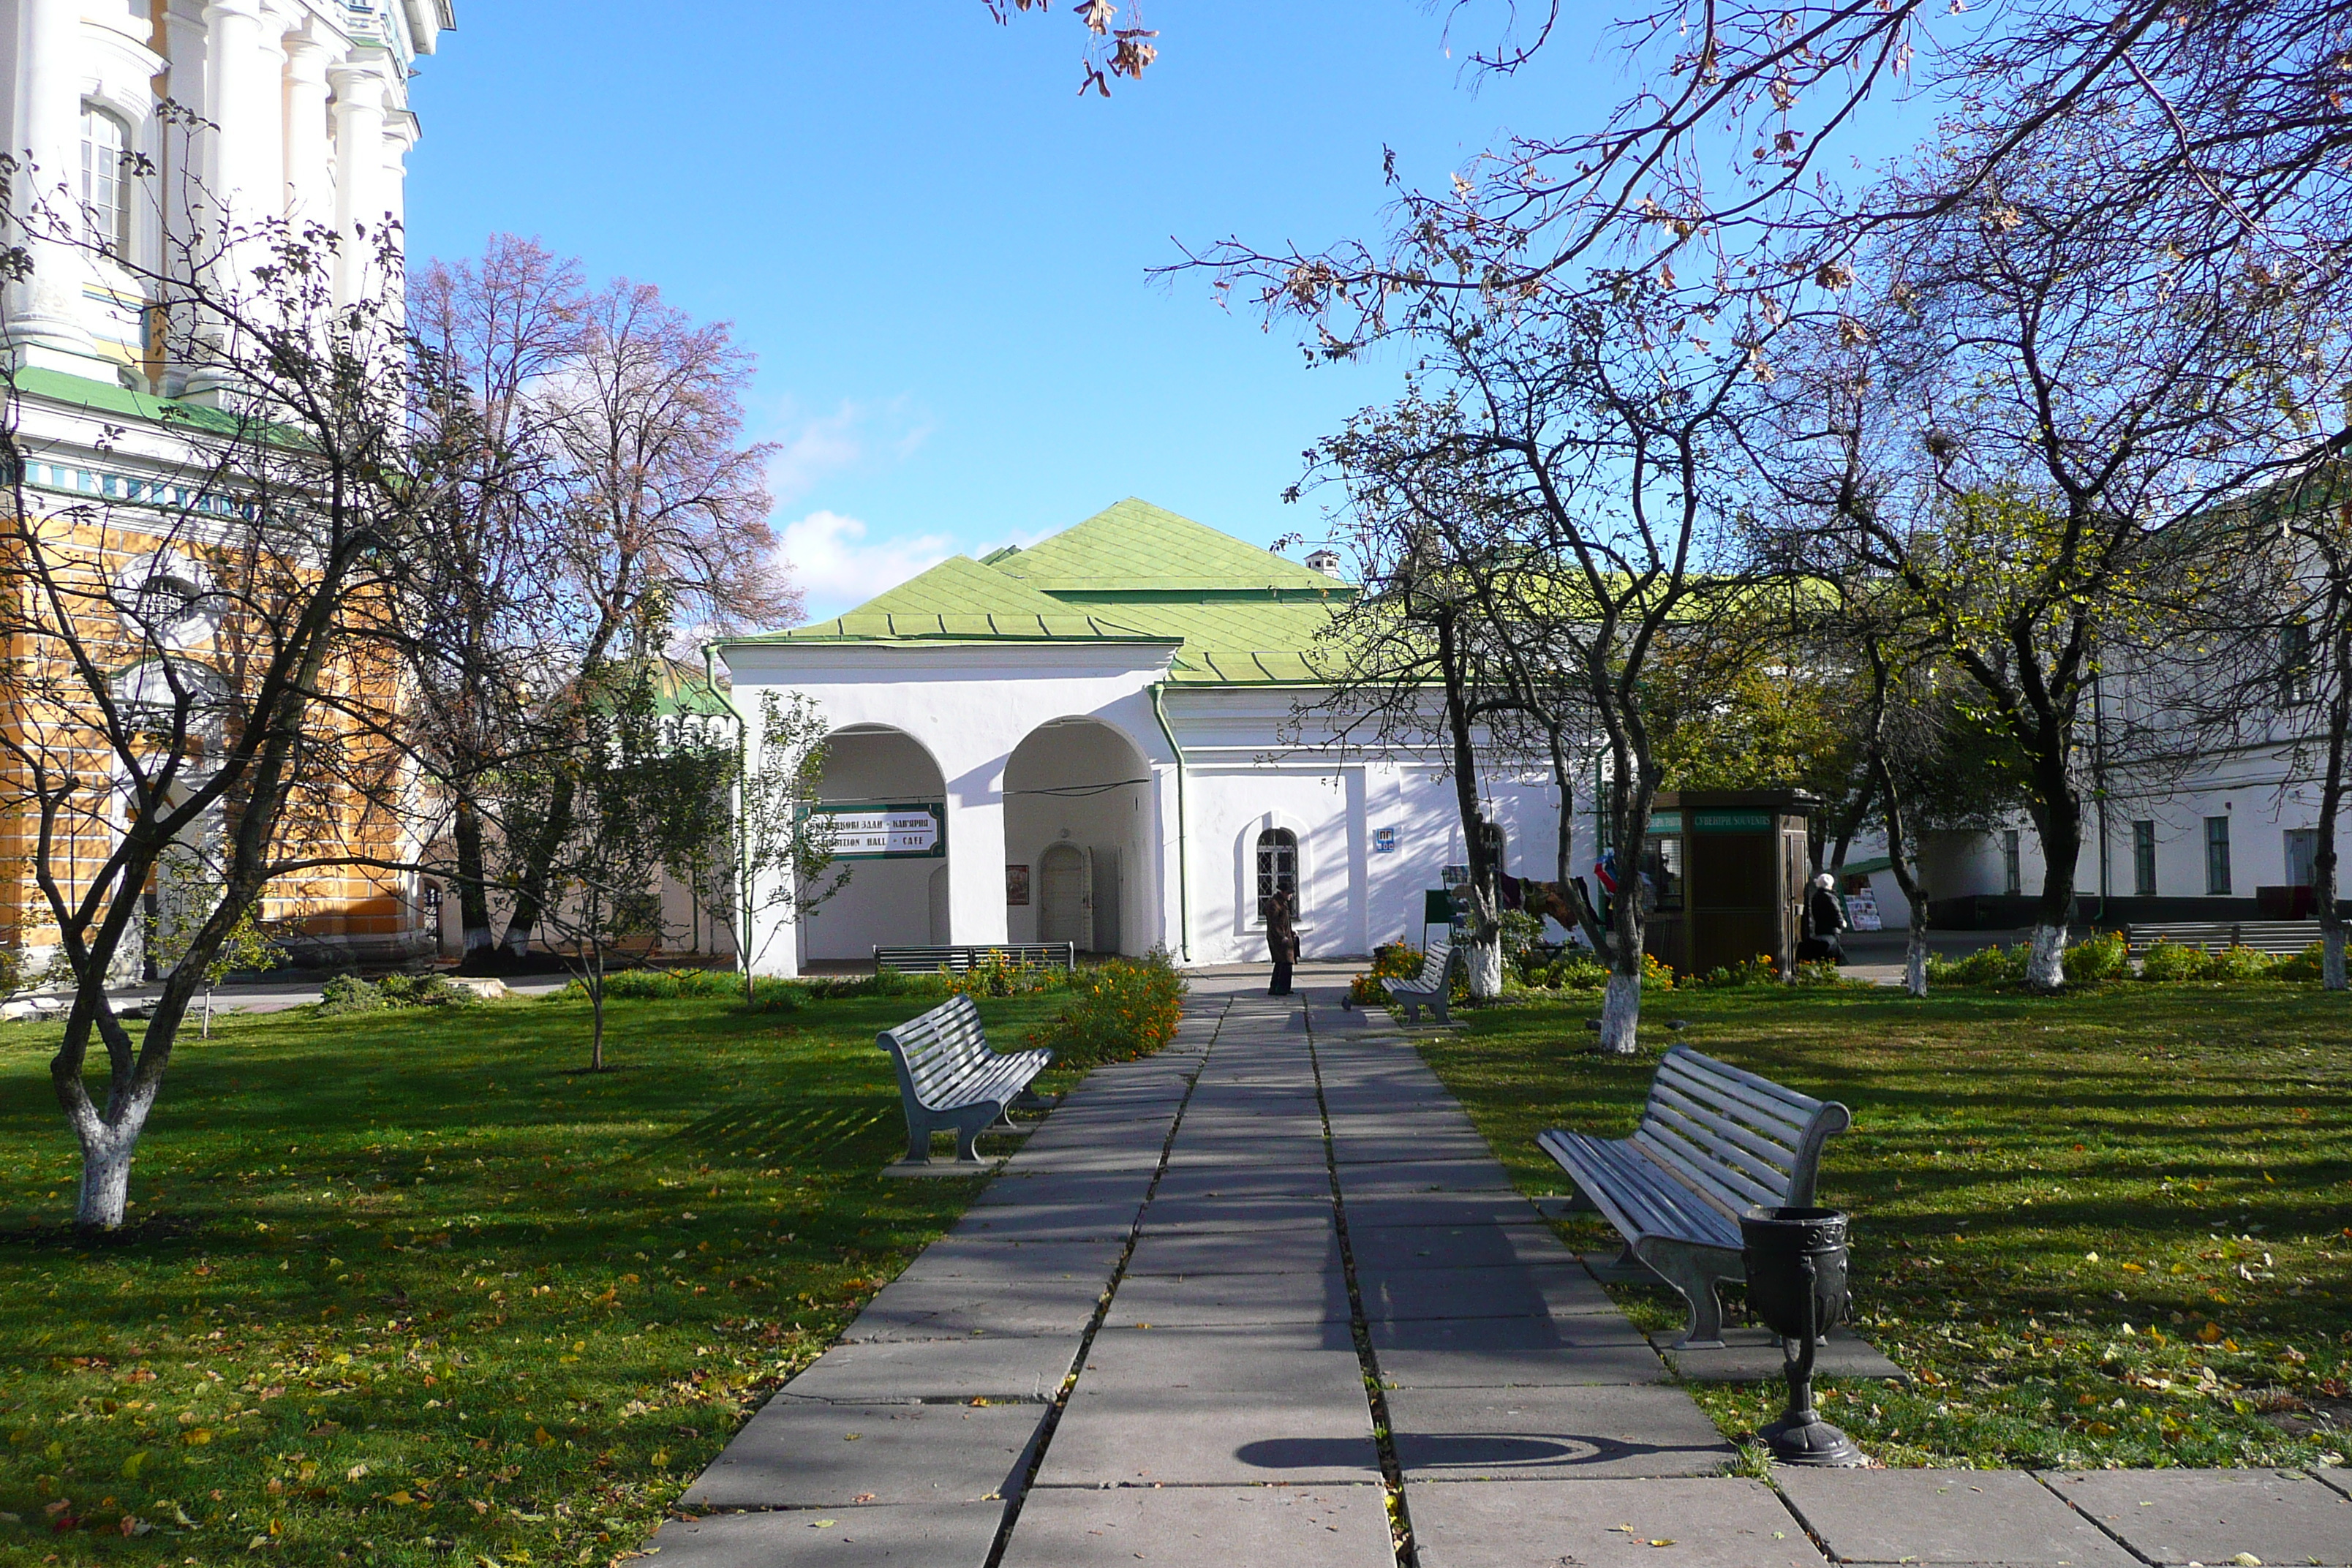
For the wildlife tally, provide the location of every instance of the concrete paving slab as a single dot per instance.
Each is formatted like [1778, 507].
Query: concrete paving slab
[1294, 1526]
[2334, 1478]
[1183, 1183]
[1404, 1177]
[1945, 1516]
[1515, 1290]
[1689, 1522]
[1072, 1157]
[1552, 1366]
[1181, 1300]
[1317, 1363]
[1551, 1433]
[1454, 1246]
[1234, 1215]
[1754, 1355]
[796, 1454]
[933, 1535]
[1185, 1437]
[1293, 1251]
[1069, 1189]
[1390, 1148]
[967, 1259]
[1382, 1209]
[892, 1372]
[1046, 1222]
[2212, 1516]
[946, 1308]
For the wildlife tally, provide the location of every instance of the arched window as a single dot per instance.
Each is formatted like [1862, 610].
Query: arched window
[1277, 868]
[106, 177]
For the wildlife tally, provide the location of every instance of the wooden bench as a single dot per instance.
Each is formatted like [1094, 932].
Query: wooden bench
[1428, 989]
[951, 1080]
[2213, 936]
[1714, 1140]
[959, 960]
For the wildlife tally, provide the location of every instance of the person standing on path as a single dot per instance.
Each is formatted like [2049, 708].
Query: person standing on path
[1281, 942]
[1824, 919]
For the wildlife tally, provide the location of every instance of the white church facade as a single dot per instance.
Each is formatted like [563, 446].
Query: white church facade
[1110, 739]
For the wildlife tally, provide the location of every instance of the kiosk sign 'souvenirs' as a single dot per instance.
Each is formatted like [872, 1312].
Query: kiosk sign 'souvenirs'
[911, 832]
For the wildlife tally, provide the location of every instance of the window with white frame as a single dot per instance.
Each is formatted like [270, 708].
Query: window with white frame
[106, 177]
[1277, 868]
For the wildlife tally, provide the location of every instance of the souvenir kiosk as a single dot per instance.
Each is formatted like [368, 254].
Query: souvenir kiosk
[1727, 869]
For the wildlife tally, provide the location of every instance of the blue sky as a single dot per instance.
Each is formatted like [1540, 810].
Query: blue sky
[938, 251]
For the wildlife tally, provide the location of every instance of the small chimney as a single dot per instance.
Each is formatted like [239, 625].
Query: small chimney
[1326, 562]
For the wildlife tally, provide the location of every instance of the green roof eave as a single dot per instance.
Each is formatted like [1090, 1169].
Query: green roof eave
[108, 398]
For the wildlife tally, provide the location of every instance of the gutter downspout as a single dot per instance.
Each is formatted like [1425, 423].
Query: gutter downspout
[742, 761]
[1183, 859]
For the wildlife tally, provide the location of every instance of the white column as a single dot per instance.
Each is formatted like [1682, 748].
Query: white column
[309, 176]
[242, 100]
[976, 855]
[399, 136]
[359, 170]
[45, 319]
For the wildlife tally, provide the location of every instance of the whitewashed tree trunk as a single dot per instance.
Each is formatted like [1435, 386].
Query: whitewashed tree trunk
[1484, 966]
[2045, 960]
[1915, 957]
[106, 1155]
[1620, 1012]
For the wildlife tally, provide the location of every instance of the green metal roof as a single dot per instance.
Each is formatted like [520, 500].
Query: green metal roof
[1135, 573]
[1137, 548]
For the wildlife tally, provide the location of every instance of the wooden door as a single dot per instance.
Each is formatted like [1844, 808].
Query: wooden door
[1061, 903]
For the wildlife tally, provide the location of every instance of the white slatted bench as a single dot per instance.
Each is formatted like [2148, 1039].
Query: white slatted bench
[951, 1080]
[959, 960]
[1428, 989]
[1714, 1140]
[2213, 936]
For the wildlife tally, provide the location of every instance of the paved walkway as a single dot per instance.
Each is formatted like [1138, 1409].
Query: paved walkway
[1268, 1299]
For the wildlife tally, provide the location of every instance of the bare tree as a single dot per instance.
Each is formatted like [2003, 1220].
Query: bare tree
[487, 337]
[200, 699]
[660, 514]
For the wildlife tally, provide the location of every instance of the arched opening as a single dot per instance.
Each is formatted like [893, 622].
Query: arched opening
[877, 782]
[1078, 799]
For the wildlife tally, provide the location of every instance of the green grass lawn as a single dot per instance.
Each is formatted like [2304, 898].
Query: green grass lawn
[2107, 1228]
[408, 1287]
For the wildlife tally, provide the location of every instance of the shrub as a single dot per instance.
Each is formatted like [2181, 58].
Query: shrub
[2170, 961]
[2097, 958]
[2236, 963]
[1392, 961]
[667, 984]
[2308, 964]
[1121, 1010]
[349, 994]
[1820, 972]
[1761, 970]
[1656, 973]
[1575, 969]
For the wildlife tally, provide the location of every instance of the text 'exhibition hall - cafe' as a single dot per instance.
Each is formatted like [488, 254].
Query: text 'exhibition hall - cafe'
[1109, 738]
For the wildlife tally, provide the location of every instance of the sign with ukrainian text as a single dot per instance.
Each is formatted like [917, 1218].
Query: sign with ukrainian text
[912, 832]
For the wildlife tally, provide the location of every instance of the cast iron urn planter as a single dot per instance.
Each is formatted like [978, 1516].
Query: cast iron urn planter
[1796, 1283]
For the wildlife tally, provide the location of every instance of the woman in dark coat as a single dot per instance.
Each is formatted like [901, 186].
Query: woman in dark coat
[1281, 942]
[1824, 919]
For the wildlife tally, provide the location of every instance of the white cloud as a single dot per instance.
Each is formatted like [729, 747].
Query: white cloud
[809, 447]
[838, 568]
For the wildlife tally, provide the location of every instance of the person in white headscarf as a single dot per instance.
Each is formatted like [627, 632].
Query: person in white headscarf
[1824, 919]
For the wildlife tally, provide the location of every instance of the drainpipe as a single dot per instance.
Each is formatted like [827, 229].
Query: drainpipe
[1183, 874]
[742, 761]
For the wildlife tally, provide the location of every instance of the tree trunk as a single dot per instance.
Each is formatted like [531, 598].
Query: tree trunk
[2331, 793]
[1621, 1012]
[473, 886]
[596, 1013]
[1620, 1005]
[1482, 964]
[108, 1146]
[206, 1033]
[2058, 824]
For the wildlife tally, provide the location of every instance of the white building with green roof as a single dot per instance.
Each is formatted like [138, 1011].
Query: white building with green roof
[1098, 739]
